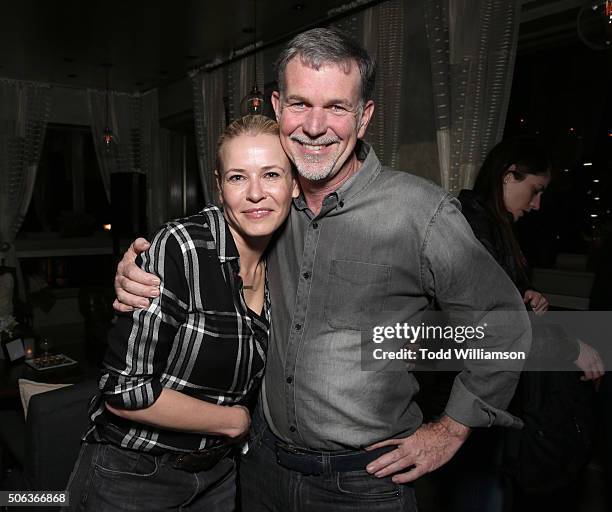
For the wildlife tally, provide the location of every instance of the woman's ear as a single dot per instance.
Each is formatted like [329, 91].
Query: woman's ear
[295, 187]
[218, 182]
[510, 174]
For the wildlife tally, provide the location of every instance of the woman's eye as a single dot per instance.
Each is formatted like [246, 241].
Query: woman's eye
[235, 177]
[272, 175]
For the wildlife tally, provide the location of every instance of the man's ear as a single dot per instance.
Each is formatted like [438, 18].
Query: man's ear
[276, 104]
[366, 116]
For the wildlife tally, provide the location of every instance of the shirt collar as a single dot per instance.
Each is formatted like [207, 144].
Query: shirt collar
[224, 241]
[370, 168]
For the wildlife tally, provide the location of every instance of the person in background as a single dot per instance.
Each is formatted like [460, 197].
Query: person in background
[509, 185]
[179, 375]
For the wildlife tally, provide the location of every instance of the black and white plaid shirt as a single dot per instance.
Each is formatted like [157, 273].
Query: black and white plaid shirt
[198, 337]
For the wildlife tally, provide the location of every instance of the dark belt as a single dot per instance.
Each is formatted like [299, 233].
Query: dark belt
[202, 460]
[314, 462]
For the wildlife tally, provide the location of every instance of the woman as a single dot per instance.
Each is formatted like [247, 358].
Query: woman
[509, 185]
[179, 376]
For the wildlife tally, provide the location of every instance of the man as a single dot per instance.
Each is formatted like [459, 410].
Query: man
[362, 244]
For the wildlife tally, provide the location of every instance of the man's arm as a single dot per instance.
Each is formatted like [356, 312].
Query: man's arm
[177, 411]
[430, 447]
[133, 286]
[464, 278]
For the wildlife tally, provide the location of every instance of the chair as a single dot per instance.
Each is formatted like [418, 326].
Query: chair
[44, 448]
[56, 421]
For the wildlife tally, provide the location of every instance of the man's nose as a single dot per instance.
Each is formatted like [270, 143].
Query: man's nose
[535, 202]
[315, 123]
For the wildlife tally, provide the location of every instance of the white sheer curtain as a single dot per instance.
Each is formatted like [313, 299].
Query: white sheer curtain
[124, 153]
[383, 36]
[209, 120]
[24, 113]
[402, 130]
[472, 46]
[217, 100]
[151, 159]
[134, 121]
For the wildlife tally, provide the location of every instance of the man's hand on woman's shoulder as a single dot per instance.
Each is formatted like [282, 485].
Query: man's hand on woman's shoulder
[133, 286]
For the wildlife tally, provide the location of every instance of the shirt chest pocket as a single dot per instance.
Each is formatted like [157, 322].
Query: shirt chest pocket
[356, 293]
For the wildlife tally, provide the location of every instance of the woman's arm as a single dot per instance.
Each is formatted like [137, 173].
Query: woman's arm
[177, 411]
[141, 343]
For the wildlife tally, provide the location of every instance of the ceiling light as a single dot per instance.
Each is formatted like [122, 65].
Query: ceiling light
[108, 139]
[253, 102]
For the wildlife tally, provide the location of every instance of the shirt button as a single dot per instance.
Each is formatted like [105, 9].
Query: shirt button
[289, 380]
[306, 275]
[298, 327]
[291, 428]
[341, 204]
[315, 225]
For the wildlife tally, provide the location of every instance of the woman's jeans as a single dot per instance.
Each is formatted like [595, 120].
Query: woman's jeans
[110, 478]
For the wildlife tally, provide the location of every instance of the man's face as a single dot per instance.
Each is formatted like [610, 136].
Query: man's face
[320, 117]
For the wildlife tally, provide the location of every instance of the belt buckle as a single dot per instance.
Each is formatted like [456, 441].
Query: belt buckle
[202, 460]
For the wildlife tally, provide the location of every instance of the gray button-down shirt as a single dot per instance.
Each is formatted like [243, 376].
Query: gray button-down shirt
[386, 244]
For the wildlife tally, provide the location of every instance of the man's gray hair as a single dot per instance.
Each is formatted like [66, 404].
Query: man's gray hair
[321, 46]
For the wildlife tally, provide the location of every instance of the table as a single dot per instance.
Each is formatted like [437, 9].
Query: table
[11, 373]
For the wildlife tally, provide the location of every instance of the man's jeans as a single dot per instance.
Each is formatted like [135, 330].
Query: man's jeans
[265, 486]
[108, 478]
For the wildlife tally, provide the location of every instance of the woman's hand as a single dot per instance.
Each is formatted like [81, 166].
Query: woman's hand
[242, 422]
[589, 361]
[537, 301]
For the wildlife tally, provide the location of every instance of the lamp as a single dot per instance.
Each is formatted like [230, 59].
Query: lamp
[253, 103]
[107, 137]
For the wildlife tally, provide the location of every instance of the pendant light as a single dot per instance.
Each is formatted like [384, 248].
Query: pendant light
[108, 139]
[254, 101]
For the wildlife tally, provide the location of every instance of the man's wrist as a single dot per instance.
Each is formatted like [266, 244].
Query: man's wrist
[454, 428]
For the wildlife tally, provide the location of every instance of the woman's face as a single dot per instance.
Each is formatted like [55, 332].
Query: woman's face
[522, 196]
[256, 185]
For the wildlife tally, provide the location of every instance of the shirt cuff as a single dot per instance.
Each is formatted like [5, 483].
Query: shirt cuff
[470, 410]
[132, 394]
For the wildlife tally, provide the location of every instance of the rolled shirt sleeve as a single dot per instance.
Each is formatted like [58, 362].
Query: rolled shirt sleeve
[140, 342]
[459, 272]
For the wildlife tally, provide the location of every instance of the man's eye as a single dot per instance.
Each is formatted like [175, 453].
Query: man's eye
[338, 109]
[298, 105]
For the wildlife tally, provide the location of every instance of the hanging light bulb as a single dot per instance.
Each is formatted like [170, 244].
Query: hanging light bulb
[253, 103]
[107, 137]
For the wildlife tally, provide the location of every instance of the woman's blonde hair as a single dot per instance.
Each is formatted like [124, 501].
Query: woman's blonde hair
[252, 125]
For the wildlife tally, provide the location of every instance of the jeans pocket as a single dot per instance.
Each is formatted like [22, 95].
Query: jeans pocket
[116, 461]
[361, 485]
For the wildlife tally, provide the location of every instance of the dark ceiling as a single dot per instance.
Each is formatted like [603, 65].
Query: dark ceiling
[147, 42]
[150, 42]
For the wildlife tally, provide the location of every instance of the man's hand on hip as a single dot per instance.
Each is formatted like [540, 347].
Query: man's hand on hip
[431, 446]
[134, 286]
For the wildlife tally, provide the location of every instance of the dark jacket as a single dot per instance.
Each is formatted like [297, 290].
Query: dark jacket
[487, 231]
